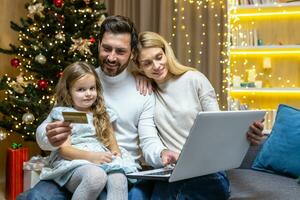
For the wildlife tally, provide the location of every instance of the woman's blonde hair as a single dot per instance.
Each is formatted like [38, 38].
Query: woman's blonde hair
[72, 73]
[149, 39]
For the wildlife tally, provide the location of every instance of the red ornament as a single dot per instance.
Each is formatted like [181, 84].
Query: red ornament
[15, 62]
[58, 3]
[42, 84]
[61, 18]
[59, 74]
[92, 40]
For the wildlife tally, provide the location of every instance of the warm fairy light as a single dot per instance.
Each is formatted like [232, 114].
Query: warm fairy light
[180, 25]
[246, 45]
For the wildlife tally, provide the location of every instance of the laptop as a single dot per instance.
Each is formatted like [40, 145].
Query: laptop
[217, 141]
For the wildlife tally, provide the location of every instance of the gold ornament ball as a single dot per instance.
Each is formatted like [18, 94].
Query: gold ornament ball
[33, 28]
[88, 10]
[87, 2]
[28, 118]
[3, 135]
[40, 59]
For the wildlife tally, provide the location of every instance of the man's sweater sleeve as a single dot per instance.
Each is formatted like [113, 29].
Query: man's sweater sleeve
[150, 142]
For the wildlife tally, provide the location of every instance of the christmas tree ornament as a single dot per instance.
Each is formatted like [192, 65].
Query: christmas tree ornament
[88, 10]
[59, 74]
[19, 85]
[35, 9]
[15, 62]
[60, 36]
[33, 28]
[81, 45]
[40, 59]
[25, 99]
[100, 20]
[87, 2]
[34, 47]
[28, 118]
[42, 84]
[92, 40]
[60, 18]
[58, 3]
[3, 135]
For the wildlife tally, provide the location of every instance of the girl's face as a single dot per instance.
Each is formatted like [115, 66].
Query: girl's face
[153, 62]
[84, 93]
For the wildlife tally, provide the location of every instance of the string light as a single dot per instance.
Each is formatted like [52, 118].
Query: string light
[180, 26]
[248, 52]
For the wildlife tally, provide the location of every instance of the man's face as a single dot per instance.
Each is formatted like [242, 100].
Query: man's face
[114, 52]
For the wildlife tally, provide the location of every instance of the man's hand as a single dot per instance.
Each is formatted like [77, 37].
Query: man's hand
[58, 132]
[143, 84]
[168, 157]
[255, 134]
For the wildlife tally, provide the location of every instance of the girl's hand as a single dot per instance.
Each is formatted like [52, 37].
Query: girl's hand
[143, 84]
[117, 153]
[100, 157]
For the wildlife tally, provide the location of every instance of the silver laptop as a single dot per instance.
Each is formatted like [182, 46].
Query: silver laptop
[216, 142]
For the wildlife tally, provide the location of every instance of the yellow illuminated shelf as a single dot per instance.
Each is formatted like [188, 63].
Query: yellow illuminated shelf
[266, 98]
[265, 92]
[266, 10]
[266, 50]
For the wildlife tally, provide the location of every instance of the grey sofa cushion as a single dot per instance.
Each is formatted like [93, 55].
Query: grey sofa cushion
[249, 184]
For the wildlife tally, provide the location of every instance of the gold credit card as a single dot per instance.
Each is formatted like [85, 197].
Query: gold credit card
[75, 117]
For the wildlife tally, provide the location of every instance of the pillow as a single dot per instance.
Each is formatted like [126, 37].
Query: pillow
[281, 152]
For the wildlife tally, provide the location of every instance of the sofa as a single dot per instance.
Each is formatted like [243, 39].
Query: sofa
[247, 183]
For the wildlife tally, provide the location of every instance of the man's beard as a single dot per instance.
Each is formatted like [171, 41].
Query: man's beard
[116, 70]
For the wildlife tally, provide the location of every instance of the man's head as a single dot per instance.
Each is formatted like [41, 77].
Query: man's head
[117, 44]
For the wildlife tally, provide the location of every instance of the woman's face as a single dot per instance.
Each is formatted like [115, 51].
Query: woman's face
[153, 62]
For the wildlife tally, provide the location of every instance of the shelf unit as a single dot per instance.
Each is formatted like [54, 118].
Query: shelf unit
[264, 56]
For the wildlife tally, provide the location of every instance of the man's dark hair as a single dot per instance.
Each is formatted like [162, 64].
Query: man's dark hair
[119, 24]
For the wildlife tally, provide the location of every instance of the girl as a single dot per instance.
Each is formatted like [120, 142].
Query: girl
[79, 90]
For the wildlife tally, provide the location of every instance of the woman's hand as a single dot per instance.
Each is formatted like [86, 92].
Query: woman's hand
[143, 84]
[255, 133]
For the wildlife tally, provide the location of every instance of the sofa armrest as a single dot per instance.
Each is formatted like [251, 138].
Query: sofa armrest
[251, 155]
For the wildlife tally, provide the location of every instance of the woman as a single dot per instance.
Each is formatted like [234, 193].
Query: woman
[181, 92]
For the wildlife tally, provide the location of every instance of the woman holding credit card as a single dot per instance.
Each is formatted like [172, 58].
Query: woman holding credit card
[181, 92]
[79, 101]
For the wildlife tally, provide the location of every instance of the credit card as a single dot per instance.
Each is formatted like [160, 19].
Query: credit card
[75, 117]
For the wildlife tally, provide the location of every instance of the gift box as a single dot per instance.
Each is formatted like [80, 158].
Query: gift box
[32, 170]
[31, 178]
[14, 171]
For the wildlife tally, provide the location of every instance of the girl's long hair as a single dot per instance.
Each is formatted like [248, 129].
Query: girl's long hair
[63, 97]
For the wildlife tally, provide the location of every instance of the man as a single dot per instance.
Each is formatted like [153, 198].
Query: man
[134, 128]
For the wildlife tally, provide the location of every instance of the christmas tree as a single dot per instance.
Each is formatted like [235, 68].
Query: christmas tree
[54, 34]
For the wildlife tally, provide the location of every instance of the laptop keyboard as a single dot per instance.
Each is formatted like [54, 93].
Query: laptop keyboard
[161, 173]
